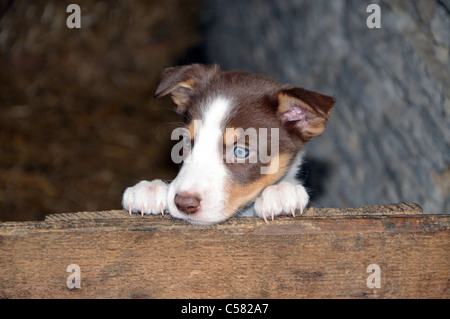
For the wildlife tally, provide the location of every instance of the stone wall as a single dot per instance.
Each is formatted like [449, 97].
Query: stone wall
[388, 138]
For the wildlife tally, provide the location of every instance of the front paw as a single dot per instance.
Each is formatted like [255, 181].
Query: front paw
[281, 199]
[146, 198]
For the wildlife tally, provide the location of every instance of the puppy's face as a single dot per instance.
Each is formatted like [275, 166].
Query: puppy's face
[242, 133]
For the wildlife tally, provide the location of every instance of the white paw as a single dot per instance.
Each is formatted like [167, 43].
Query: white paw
[281, 199]
[146, 198]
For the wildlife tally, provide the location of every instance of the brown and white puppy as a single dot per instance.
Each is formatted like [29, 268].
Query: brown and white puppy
[241, 146]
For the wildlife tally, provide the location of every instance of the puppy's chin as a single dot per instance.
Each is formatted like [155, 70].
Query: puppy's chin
[198, 220]
[206, 216]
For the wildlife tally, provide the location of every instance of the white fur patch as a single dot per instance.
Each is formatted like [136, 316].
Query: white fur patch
[204, 172]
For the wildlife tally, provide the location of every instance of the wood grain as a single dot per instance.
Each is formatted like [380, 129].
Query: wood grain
[324, 253]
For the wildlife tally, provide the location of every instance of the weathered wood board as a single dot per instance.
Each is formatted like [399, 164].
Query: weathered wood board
[324, 253]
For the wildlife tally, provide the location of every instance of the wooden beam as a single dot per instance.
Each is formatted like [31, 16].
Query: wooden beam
[324, 253]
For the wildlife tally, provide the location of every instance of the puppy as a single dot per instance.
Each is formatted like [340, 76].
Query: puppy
[240, 149]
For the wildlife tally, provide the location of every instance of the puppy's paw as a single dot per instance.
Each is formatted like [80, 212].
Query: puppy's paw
[146, 198]
[281, 199]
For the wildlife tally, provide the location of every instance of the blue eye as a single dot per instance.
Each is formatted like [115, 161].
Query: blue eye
[241, 152]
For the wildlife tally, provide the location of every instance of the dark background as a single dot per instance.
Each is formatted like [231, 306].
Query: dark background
[78, 122]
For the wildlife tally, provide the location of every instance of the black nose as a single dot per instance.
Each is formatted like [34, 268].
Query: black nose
[187, 203]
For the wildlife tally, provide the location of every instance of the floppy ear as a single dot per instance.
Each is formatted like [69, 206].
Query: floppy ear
[180, 81]
[304, 110]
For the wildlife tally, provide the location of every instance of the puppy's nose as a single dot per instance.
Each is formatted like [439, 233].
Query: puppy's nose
[187, 203]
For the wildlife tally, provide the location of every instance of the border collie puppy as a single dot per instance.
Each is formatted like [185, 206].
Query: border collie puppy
[240, 149]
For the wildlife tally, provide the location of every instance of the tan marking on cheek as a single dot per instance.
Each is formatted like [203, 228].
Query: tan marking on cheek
[240, 195]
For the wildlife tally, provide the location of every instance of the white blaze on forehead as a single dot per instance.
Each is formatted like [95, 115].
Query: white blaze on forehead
[203, 172]
[209, 132]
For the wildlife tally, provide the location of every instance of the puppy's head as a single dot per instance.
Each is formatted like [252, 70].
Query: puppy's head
[242, 134]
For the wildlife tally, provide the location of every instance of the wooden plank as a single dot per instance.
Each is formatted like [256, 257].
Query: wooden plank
[117, 217]
[320, 254]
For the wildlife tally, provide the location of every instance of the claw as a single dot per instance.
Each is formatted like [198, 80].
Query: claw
[301, 210]
[272, 214]
[293, 212]
[264, 217]
[162, 209]
[129, 209]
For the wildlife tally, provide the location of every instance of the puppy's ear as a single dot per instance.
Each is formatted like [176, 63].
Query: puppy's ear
[306, 111]
[180, 81]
